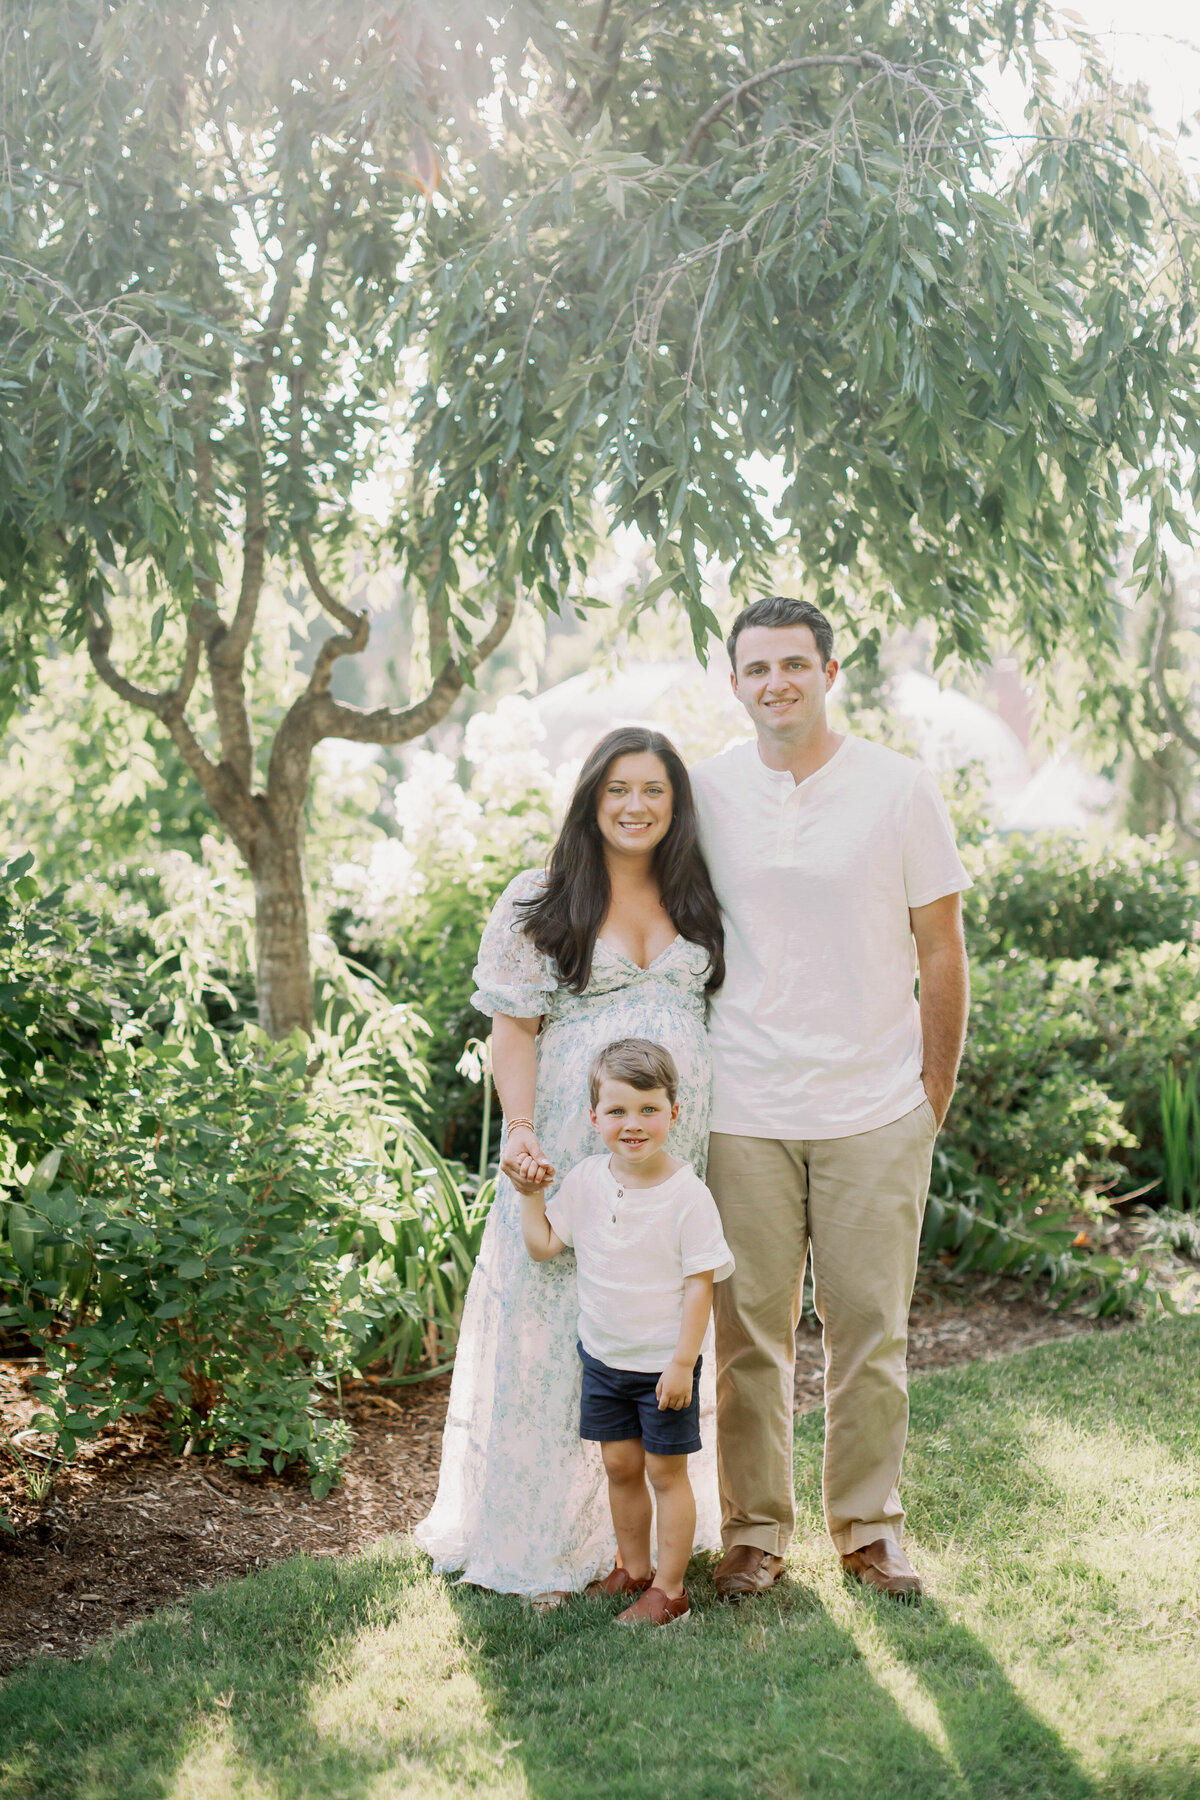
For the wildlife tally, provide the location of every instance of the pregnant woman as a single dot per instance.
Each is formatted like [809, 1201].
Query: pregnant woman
[619, 937]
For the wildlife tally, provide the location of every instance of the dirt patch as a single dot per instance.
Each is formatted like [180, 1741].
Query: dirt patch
[131, 1527]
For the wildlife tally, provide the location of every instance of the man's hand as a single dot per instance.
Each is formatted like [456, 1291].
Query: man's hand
[674, 1388]
[524, 1163]
[938, 1094]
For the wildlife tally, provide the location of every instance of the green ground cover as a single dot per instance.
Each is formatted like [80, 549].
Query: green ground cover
[1055, 1506]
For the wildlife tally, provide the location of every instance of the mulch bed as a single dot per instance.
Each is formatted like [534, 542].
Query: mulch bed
[132, 1527]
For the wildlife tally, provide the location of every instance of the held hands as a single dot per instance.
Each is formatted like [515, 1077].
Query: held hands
[524, 1162]
[674, 1388]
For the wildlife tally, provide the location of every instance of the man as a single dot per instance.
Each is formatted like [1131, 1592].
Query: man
[835, 865]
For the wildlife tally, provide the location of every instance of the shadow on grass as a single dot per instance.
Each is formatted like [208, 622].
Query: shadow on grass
[369, 1680]
[772, 1698]
[998, 1745]
[224, 1681]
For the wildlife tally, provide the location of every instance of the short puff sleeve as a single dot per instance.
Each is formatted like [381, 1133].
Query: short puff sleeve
[512, 976]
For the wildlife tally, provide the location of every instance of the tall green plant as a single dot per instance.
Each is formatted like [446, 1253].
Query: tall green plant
[419, 1248]
[1180, 1099]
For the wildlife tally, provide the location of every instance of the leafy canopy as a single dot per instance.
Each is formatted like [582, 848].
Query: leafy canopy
[542, 254]
[799, 231]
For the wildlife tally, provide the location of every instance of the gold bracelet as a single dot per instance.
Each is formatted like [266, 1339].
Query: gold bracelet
[511, 1124]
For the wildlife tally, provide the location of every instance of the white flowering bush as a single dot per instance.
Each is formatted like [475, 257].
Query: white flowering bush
[412, 908]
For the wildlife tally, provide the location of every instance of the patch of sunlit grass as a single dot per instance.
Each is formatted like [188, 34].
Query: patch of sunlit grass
[1054, 1508]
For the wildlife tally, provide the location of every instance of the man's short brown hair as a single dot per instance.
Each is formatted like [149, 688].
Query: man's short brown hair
[779, 609]
[637, 1062]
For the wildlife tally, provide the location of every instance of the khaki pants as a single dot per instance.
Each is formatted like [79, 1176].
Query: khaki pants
[859, 1202]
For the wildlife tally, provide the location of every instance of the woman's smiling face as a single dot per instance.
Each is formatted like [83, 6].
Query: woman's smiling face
[635, 804]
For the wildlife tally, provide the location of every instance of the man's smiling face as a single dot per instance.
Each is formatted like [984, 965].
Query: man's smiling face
[780, 682]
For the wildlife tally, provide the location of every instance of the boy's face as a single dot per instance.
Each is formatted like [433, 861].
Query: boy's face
[633, 1123]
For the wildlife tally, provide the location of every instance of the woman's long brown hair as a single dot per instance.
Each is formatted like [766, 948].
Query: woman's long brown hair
[563, 921]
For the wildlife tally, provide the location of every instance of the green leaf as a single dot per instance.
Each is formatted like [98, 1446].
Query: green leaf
[655, 482]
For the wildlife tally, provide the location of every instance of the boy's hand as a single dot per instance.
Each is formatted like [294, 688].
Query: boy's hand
[674, 1389]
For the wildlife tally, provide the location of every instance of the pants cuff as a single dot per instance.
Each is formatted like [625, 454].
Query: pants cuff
[771, 1539]
[853, 1537]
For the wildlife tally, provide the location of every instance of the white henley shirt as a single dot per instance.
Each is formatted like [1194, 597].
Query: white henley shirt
[634, 1247]
[816, 1032]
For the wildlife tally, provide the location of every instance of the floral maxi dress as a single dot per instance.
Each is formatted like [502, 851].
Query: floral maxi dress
[522, 1505]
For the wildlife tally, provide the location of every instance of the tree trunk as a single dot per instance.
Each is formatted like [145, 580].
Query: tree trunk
[284, 977]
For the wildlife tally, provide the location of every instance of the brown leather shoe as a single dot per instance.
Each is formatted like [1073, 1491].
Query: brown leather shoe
[745, 1570]
[884, 1567]
[618, 1581]
[655, 1608]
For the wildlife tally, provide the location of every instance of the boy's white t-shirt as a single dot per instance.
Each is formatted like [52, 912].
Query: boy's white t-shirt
[816, 1032]
[633, 1249]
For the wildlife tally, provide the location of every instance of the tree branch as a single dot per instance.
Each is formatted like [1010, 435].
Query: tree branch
[206, 494]
[231, 803]
[99, 643]
[226, 678]
[254, 533]
[601, 22]
[352, 644]
[348, 620]
[357, 626]
[1158, 674]
[862, 59]
[1178, 810]
[387, 726]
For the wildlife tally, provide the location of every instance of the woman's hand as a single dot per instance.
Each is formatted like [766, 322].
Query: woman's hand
[524, 1162]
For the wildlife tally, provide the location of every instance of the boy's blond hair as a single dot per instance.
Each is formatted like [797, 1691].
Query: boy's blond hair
[638, 1062]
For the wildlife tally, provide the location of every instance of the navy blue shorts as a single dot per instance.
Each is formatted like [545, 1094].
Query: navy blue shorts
[621, 1403]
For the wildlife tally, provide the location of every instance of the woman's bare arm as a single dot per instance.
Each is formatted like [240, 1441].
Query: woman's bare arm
[514, 1070]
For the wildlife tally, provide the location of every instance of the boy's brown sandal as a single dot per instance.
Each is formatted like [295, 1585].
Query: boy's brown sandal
[884, 1567]
[655, 1608]
[745, 1570]
[618, 1581]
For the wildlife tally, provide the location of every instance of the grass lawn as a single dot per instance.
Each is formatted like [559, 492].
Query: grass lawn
[1054, 1504]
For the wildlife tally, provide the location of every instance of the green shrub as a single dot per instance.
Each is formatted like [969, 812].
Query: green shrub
[1055, 898]
[975, 1224]
[1057, 1112]
[1031, 1114]
[203, 1224]
[182, 1249]
[63, 996]
[1142, 1017]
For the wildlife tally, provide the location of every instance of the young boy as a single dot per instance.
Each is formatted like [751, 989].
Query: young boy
[648, 1245]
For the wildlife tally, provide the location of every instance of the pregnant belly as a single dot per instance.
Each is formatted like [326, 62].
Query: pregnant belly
[565, 1052]
[675, 1027]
